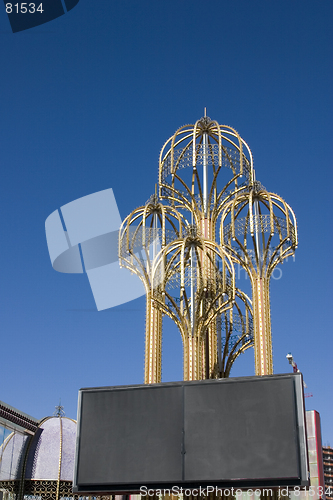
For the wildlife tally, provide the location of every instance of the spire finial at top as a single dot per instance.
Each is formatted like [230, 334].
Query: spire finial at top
[59, 410]
[205, 121]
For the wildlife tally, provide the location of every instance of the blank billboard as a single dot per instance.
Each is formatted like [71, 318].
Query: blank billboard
[240, 432]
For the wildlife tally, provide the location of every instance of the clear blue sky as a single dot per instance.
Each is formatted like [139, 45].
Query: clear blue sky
[87, 101]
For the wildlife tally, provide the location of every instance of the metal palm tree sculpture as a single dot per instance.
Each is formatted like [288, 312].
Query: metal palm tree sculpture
[142, 234]
[259, 230]
[206, 184]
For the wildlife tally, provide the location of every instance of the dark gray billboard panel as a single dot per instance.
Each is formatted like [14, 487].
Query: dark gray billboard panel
[240, 432]
[249, 429]
[130, 432]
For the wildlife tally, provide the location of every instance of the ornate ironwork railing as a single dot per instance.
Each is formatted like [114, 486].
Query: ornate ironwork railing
[261, 224]
[43, 490]
[140, 238]
[183, 158]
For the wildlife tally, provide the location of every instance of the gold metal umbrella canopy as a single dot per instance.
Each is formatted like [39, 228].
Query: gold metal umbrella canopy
[201, 167]
[207, 187]
[142, 234]
[259, 230]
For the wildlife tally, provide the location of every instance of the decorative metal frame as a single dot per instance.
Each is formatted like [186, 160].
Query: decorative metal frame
[191, 279]
[213, 147]
[43, 490]
[191, 265]
[259, 230]
[141, 235]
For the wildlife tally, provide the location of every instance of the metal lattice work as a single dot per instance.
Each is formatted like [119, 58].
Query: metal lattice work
[139, 239]
[183, 158]
[260, 224]
[144, 232]
[259, 230]
[208, 186]
[43, 490]
[142, 235]
[203, 278]
[209, 147]
[281, 239]
[234, 333]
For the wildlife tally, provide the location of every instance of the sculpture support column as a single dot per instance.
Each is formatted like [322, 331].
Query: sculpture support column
[153, 361]
[192, 358]
[209, 272]
[262, 327]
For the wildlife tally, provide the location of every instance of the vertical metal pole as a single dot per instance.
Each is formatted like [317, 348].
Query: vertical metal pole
[205, 173]
[192, 283]
[192, 293]
[219, 341]
[256, 223]
[155, 228]
[205, 227]
[155, 232]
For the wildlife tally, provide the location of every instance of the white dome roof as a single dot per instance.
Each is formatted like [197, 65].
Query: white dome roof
[50, 452]
[53, 446]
